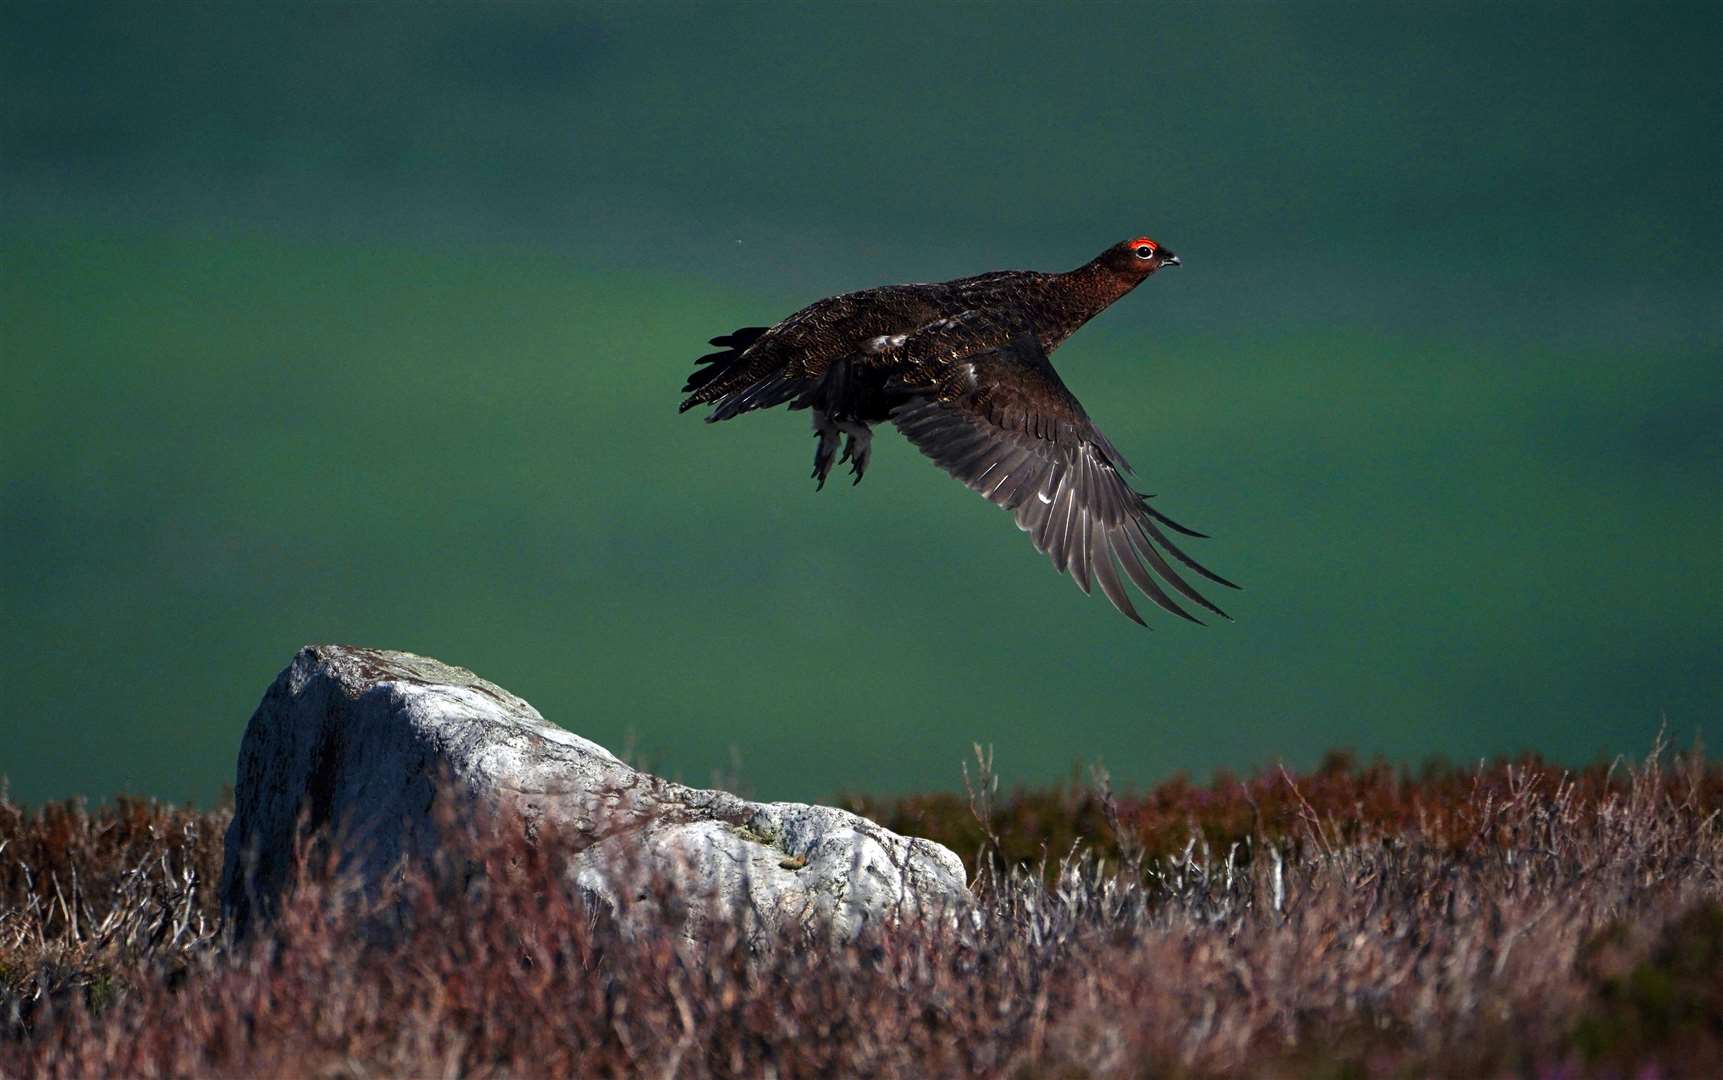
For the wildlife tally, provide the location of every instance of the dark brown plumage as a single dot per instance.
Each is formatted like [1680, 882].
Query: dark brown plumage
[961, 368]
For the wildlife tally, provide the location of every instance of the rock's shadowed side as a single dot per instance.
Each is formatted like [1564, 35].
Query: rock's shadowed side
[363, 742]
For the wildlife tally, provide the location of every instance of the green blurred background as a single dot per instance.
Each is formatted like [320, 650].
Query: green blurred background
[365, 323]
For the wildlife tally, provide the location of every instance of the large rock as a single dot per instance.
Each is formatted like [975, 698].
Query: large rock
[358, 746]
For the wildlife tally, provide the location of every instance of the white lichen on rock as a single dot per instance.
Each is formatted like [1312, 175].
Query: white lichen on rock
[364, 742]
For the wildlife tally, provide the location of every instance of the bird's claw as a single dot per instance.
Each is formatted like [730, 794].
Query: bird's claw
[857, 452]
[823, 455]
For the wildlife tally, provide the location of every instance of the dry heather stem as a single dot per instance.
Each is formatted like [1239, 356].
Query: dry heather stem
[1511, 919]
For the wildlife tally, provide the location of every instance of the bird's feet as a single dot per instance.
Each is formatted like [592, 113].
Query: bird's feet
[825, 451]
[858, 448]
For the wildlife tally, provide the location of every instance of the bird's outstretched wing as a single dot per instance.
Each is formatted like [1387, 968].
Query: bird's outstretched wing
[1005, 425]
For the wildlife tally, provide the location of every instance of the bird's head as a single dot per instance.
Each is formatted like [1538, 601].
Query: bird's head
[1134, 260]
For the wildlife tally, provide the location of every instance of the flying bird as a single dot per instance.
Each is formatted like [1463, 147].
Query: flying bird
[961, 368]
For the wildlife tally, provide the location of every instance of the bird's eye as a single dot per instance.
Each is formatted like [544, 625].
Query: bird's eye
[1145, 251]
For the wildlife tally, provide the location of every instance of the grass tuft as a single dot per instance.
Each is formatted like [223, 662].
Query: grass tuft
[1353, 920]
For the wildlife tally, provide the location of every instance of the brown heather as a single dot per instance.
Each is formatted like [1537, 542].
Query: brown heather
[1514, 919]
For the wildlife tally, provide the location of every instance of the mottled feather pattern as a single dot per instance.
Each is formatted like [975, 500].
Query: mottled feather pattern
[962, 369]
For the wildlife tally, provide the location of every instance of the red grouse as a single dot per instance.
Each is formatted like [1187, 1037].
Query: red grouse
[961, 368]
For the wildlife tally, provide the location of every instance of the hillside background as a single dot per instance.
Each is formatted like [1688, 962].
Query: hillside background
[365, 323]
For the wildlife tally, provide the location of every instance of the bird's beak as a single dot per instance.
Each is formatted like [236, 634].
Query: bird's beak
[1169, 259]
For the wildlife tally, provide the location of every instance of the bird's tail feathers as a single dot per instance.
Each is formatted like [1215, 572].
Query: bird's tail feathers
[711, 380]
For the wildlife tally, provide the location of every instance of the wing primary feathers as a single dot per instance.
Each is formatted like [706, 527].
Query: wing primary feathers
[1170, 523]
[1080, 551]
[1173, 550]
[999, 478]
[1027, 479]
[968, 466]
[1064, 516]
[1155, 559]
[1108, 576]
[1071, 500]
[1128, 558]
[1015, 435]
[1055, 478]
[1032, 514]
